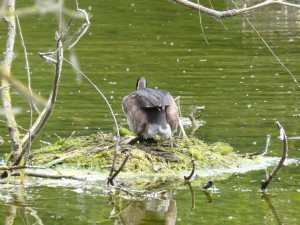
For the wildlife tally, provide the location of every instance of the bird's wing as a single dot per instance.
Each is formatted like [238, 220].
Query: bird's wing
[149, 98]
[135, 117]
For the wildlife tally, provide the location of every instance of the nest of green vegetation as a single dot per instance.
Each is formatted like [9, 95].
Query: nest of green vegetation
[96, 152]
[150, 164]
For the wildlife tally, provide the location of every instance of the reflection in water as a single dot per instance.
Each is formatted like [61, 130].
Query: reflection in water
[11, 214]
[205, 192]
[18, 207]
[208, 196]
[152, 211]
[24, 212]
[271, 207]
[192, 195]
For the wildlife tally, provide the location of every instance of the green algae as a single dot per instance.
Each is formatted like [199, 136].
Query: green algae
[96, 152]
[151, 164]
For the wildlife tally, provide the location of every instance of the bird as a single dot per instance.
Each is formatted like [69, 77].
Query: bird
[150, 112]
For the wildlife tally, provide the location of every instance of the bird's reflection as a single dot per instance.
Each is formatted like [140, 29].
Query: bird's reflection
[158, 211]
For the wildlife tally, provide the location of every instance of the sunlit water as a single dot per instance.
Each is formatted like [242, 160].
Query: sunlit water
[243, 88]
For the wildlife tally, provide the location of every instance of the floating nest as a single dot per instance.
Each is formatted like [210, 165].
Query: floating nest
[96, 153]
[151, 163]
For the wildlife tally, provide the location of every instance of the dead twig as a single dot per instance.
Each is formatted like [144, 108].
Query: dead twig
[5, 72]
[111, 178]
[201, 25]
[250, 156]
[31, 102]
[48, 176]
[267, 145]
[235, 12]
[45, 114]
[269, 177]
[266, 44]
[180, 121]
[112, 114]
[194, 118]
[187, 178]
[37, 127]
[232, 12]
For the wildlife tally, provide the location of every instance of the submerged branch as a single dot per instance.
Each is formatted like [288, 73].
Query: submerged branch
[283, 138]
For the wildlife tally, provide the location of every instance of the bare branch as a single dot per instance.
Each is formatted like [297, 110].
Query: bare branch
[235, 12]
[5, 72]
[78, 34]
[111, 111]
[84, 26]
[27, 66]
[187, 178]
[48, 176]
[267, 145]
[232, 12]
[283, 138]
[194, 118]
[21, 88]
[201, 26]
[267, 45]
[180, 121]
[43, 118]
[31, 102]
[113, 176]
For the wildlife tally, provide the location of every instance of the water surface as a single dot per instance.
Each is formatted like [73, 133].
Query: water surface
[243, 88]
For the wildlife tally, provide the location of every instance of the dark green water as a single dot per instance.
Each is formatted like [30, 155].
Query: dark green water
[241, 85]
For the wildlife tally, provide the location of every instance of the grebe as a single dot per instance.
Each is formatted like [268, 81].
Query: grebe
[150, 112]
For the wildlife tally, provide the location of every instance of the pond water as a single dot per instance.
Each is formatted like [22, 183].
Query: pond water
[243, 88]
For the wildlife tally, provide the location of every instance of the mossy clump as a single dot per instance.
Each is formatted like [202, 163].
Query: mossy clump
[222, 148]
[96, 152]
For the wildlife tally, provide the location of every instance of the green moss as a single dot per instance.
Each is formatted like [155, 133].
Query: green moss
[124, 132]
[96, 152]
[222, 148]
